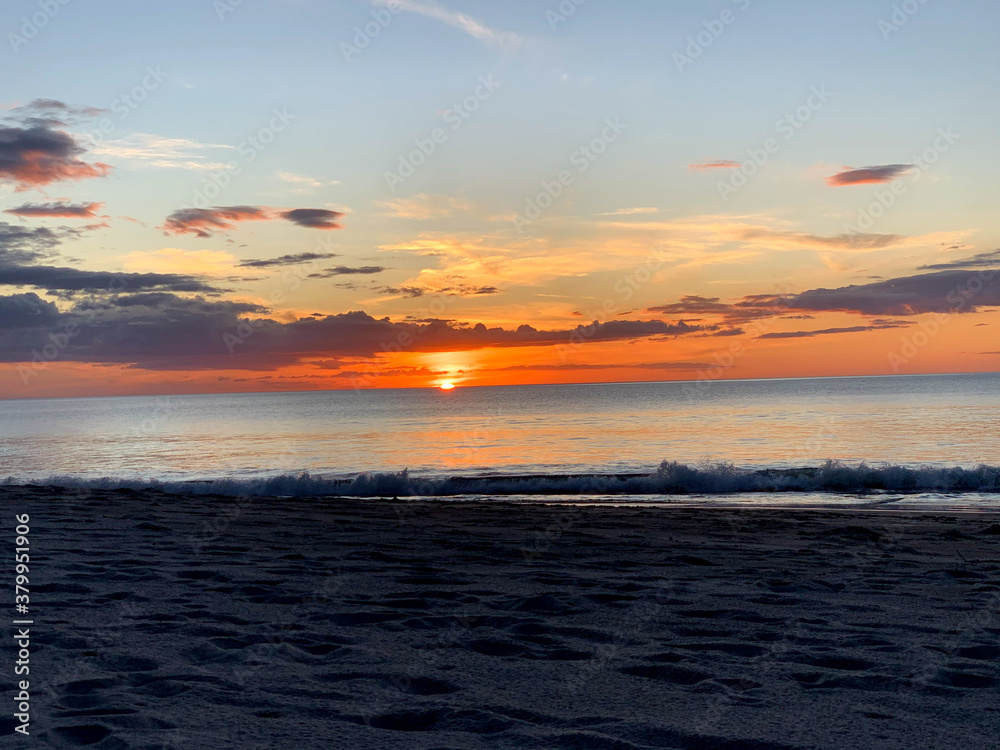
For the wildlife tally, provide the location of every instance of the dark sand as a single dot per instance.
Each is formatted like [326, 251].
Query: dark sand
[171, 622]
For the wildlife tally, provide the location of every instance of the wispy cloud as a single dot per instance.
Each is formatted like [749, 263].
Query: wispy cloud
[706, 165]
[301, 183]
[423, 207]
[287, 260]
[461, 21]
[158, 152]
[632, 211]
[982, 260]
[869, 175]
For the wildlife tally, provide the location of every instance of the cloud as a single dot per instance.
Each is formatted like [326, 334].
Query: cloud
[27, 311]
[982, 260]
[668, 366]
[313, 218]
[461, 21]
[52, 112]
[204, 222]
[304, 183]
[57, 209]
[423, 207]
[869, 175]
[75, 280]
[706, 165]
[849, 241]
[38, 155]
[165, 331]
[454, 290]
[329, 273]
[287, 260]
[632, 211]
[21, 248]
[159, 152]
[945, 292]
[19, 244]
[830, 331]
[694, 305]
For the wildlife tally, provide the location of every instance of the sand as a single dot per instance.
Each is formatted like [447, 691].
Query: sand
[177, 622]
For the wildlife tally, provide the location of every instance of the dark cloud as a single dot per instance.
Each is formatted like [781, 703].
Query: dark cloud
[329, 273]
[39, 155]
[58, 209]
[313, 218]
[287, 260]
[27, 311]
[410, 292]
[693, 305]
[19, 244]
[869, 175]
[982, 260]
[945, 292]
[458, 290]
[829, 331]
[75, 280]
[204, 222]
[468, 290]
[165, 331]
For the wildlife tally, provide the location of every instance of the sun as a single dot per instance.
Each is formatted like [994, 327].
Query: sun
[446, 386]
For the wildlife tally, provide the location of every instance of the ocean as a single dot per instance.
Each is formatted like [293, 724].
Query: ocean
[763, 441]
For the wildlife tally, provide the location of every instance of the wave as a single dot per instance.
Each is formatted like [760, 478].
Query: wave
[669, 479]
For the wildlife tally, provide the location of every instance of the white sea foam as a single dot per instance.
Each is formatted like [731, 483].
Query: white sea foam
[670, 479]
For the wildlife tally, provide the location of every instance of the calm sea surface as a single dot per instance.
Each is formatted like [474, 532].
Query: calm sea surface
[928, 420]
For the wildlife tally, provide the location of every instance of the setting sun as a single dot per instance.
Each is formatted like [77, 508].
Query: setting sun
[447, 386]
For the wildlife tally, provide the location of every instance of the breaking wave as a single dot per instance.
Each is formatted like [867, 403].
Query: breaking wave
[669, 479]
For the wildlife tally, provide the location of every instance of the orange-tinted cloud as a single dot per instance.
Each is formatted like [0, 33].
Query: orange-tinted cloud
[706, 165]
[869, 175]
[205, 222]
[39, 155]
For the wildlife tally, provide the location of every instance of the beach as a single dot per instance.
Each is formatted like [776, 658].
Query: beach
[169, 621]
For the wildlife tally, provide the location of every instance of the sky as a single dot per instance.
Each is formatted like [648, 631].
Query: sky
[270, 195]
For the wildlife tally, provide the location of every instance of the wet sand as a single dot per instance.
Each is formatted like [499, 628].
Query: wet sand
[164, 621]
